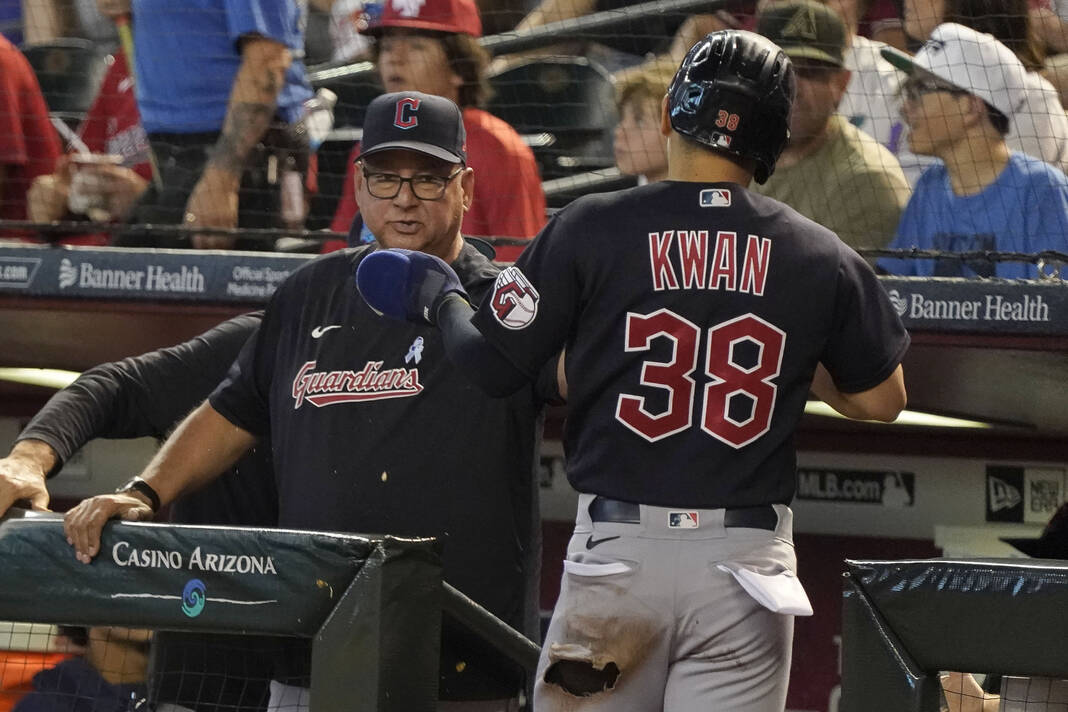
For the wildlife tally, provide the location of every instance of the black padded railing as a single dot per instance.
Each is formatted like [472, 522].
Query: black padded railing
[372, 606]
[905, 621]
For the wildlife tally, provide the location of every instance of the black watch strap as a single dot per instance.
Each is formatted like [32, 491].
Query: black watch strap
[136, 484]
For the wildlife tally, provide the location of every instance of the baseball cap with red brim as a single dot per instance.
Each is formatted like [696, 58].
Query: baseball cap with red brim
[452, 16]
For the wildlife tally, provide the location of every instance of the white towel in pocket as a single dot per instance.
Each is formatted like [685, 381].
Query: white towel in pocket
[780, 592]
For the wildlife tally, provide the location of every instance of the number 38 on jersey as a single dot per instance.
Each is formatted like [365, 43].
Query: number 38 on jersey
[743, 355]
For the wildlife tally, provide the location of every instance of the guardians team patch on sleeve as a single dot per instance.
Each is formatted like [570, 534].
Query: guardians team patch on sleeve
[515, 301]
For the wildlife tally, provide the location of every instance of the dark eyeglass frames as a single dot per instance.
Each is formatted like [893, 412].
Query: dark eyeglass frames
[424, 185]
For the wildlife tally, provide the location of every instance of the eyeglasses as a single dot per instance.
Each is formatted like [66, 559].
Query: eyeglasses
[914, 89]
[815, 71]
[424, 185]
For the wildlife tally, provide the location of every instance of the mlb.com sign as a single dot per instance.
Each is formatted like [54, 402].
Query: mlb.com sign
[18, 272]
[151, 278]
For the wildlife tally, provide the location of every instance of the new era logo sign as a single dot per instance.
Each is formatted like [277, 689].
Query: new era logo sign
[1002, 494]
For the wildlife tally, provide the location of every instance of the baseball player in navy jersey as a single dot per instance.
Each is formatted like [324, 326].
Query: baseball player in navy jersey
[371, 427]
[695, 316]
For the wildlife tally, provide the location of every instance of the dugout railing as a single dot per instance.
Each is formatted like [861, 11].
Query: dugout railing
[371, 605]
[905, 621]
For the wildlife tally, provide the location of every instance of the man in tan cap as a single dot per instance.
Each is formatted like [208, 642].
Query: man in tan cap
[830, 171]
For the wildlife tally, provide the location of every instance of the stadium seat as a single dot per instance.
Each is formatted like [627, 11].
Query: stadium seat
[565, 109]
[69, 71]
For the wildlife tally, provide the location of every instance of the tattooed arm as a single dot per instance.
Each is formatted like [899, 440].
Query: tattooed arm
[253, 101]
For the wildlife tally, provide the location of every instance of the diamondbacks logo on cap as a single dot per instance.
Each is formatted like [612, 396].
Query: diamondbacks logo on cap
[933, 46]
[407, 116]
[802, 24]
[408, 8]
[515, 301]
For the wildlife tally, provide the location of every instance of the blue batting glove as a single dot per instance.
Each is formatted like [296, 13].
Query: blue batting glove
[406, 284]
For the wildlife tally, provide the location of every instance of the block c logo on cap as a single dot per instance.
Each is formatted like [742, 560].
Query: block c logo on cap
[406, 117]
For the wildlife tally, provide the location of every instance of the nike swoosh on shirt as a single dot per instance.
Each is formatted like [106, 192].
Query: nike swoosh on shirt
[320, 330]
[591, 542]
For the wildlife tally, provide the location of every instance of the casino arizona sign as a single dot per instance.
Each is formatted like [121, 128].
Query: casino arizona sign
[123, 554]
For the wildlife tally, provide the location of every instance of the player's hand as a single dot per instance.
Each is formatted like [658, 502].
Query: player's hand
[22, 476]
[84, 523]
[406, 285]
[213, 203]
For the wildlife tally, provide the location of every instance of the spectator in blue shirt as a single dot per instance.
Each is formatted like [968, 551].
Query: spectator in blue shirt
[963, 87]
[220, 88]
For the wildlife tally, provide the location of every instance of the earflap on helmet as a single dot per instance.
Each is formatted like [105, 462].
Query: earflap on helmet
[734, 92]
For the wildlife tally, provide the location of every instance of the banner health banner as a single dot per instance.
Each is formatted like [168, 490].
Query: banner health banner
[940, 304]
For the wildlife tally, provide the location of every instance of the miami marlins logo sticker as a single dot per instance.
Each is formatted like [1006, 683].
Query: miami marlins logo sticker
[515, 301]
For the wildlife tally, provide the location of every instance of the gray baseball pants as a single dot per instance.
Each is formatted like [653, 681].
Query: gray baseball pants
[648, 621]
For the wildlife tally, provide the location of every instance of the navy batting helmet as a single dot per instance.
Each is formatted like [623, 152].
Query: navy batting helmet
[733, 93]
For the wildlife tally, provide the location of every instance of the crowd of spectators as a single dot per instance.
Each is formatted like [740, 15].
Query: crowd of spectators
[222, 111]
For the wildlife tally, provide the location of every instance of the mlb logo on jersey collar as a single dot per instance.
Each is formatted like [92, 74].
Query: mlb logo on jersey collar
[715, 198]
[683, 520]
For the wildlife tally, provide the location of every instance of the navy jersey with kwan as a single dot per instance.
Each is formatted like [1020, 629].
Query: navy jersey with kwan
[693, 316]
[374, 431]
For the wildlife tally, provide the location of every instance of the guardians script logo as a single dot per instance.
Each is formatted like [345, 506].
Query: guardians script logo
[322, 388]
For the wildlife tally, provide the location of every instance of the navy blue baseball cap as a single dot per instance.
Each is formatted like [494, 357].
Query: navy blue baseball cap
[414, 121]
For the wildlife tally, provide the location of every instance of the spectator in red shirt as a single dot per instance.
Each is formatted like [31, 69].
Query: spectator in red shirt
[28, 142]
[433, 49]
[112, 126]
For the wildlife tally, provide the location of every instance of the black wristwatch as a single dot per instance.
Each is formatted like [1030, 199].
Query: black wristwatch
[136, 484]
